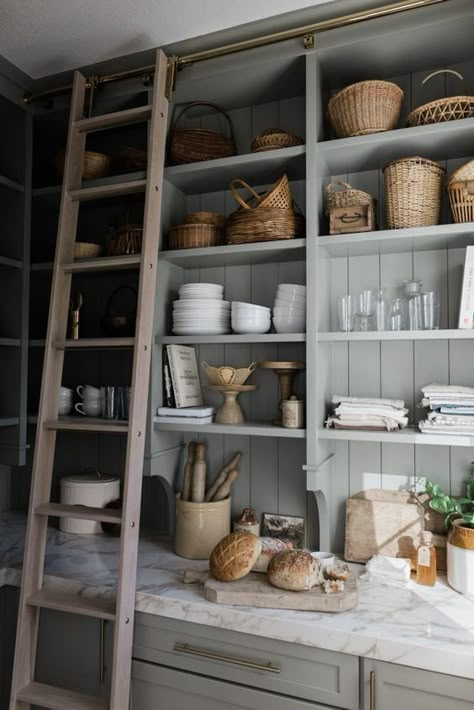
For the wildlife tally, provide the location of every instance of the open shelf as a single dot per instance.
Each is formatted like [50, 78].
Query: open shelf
[11, 184]
[237, 254]
[232, 338]
[259, 168]
[246, 429]
[9, 421]
[394, 241]
[11, 263]
[404, 436]
[50, 195]
[106, 191]
[452, 334]
[438, 141]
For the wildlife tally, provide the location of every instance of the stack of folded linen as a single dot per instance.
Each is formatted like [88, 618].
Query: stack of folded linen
[368, 413]
[452, 409]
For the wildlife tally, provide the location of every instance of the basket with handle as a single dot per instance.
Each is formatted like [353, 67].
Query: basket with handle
[413, 192]
[349, 210]
[368, 106]
[347, 197]
[273, 139]
[191, 145]
[442, 110]
[279, 195]
[226, 375]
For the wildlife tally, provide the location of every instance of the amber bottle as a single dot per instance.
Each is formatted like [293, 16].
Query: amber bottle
[426, 560]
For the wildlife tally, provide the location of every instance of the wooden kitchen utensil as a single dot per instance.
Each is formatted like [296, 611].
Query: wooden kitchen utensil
[198, 484]
[255, 590]
[220, 478]
[230, 412]
[188, 472]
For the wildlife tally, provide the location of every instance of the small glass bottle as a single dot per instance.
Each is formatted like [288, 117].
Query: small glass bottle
[426, 560]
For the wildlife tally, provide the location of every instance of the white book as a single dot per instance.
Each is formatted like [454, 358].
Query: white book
[190, 412]
[183, 420]
[466, 310]
[184, 375]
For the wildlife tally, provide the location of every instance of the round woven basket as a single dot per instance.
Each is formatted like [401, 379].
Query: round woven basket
[189, 236]
[226, 375]
[413, 192]
[126, 240]
[274, 138]
[94, 166]
[213, 218]
[366, 107]
[191, 145]
[261, 225]
[461, 200]
[279, 195]
[86, 250]
[452, 108]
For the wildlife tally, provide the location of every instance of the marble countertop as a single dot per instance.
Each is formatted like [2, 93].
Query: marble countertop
[426, 627]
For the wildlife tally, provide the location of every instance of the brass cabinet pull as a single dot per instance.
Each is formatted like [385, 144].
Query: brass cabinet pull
[372, 690]
[186, 648]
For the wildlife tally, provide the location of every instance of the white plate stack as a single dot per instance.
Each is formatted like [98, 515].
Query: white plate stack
[249, 318]
[201, 310]
[289, 310]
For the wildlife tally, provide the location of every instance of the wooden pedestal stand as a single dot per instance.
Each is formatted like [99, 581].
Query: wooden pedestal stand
[286, 371]
[230, 412]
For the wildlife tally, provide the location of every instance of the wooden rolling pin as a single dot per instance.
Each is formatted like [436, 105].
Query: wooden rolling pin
[198, 486]
[221, 477]
[224, 489]
[188, 472]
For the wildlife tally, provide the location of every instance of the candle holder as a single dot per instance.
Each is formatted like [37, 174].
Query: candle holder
[285, 371]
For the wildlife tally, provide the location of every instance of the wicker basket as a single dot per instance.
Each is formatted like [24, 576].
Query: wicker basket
[262, 225]
[95, 165]
[347, 197]
[278, 196]
[227, 375]
[127, 239]
[463, 173]
[461, 200]
[191, 145]
[349, 210]
[132, 159]
[442, 110]
[213, 218]
[274, 138]
[366, 107]
[413, 192]
[86, 250]
[190, 236]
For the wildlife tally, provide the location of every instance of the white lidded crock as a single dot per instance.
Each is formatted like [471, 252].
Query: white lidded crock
[91, 489]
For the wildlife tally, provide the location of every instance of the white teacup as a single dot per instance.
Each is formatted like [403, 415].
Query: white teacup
[65, 393]
[88, 392]
[64, 405]
[89, 408]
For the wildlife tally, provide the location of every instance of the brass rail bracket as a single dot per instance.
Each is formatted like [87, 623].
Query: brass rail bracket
[171, 76]
[308, 41]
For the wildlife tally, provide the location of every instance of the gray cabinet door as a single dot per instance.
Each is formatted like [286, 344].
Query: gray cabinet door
[401, 688]
[159, 687]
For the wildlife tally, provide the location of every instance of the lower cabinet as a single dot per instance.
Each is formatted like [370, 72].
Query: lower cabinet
[387, 686]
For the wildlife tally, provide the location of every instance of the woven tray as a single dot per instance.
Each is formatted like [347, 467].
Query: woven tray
[190, 236]
[442, 110]
[273, 139]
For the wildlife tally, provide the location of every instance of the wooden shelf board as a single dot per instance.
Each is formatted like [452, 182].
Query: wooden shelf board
[246, 429]
[111, 120]
[238, 254]
[107, 263]
[92, 424]
[11, 184]
[260, 168]
[81, 512]
[10, 342]
[86, 194]
[393, 241]
[73, 603]
[404, 436]
[439, 141]
[47, 696]
[96, 344]
[9, 421]
[232, 338]
[452, 334]
[13, 263]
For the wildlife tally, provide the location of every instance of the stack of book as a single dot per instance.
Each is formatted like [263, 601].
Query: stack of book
[182, 397]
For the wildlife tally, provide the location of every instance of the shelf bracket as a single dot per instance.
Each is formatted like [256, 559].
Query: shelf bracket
[308, 41]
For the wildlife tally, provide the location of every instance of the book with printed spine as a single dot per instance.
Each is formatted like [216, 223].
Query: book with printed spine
[184, 376]
[466, 310]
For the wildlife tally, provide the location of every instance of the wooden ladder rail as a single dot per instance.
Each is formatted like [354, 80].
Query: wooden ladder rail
[24, 690]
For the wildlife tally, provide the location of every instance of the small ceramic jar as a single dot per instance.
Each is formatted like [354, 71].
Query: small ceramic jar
[292, 413]
[247, 522]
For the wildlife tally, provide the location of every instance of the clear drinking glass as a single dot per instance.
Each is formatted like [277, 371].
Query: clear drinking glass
[367, 301]
[396, 318]
[414, 312]
[346, 308]
[430, 308]
[381, 312]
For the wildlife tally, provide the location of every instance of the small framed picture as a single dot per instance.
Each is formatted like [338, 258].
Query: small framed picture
[288, 528]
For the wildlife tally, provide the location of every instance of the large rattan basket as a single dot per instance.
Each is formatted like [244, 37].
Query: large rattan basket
[413, 192]
[263, 225]
[366, 107]
[190, 145]
[442, 110]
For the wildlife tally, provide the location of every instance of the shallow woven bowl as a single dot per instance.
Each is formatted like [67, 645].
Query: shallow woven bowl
[226, 375]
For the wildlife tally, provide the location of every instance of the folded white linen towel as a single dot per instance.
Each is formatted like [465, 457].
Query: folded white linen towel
[447, 389]
[379, 422]
[429, 428]
[401, 421]
[391, 571]
[397, 403]
[450, 419]
[371, 410]
[437, 402]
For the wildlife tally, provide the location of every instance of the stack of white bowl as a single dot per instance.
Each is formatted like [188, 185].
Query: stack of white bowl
[249, 318]
[289, 310]
[201, 310]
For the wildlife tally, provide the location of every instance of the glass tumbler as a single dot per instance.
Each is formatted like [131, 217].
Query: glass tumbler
[414, 312]
[381, 311]
[346, 308]
[396, 319]
[430, 308]
[365, 316]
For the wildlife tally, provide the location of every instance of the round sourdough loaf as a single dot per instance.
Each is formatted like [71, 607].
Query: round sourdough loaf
[271, 546]
[294, 570]
[234, 556]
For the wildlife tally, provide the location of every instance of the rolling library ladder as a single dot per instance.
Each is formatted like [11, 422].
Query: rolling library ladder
[34, 595]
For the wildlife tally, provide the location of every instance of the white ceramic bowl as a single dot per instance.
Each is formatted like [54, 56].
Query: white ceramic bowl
[289, 311]
[241, 306]
[293, 289]
[250, 325]
[283, 325]
[290, 298]
[198, 285]
[205, 302]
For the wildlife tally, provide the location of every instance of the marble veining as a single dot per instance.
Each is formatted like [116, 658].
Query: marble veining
[418, 626]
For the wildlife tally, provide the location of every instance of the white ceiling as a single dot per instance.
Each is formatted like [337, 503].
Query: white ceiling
[44, 37]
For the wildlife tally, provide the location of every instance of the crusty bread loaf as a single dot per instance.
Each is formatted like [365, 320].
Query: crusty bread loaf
[234, 556]
[294, 570]
[271, 546]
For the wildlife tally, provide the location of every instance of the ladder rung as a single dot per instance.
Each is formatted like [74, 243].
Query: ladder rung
[88, 424]
[81, 512]
[95, 343]
[47, 696]
[73, 604]
[109, 120]
[109, 263]
[85, 194]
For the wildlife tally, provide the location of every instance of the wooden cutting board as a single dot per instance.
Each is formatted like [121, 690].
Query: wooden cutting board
[255, 590]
